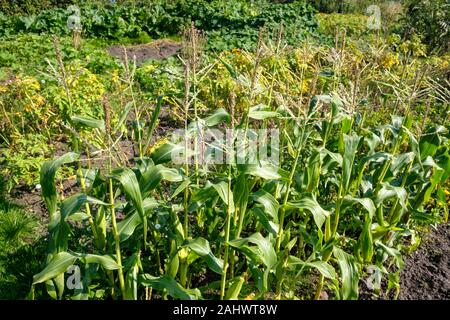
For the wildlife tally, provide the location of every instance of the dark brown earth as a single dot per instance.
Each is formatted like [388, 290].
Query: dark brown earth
[426, 275]
[157, 50]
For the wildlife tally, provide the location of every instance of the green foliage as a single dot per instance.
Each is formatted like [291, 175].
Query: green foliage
[354, 24]
[350, 187]
[228, 24]
[429, 19]
[354, 185]
[342, 6]
[22, 161]
[20, 247]
[17, 228]
[236, 24]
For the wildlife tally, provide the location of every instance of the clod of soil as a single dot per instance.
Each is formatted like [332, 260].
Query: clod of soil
[157, 50]
[426, 275]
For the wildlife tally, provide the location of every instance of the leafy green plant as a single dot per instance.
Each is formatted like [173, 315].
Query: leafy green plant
[364, 153]
[231, 24]
[344, 197]
[20, 233]
[429, 19]
[21, 162]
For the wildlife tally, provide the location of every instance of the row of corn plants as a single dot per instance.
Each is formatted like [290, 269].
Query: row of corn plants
[339, 208]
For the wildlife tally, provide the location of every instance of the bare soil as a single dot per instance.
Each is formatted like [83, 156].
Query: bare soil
[426, 275]
[157, 50]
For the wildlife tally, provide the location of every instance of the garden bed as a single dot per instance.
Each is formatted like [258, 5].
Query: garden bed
[156, 50]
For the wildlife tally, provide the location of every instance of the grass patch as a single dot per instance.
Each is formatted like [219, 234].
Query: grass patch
[21, 250]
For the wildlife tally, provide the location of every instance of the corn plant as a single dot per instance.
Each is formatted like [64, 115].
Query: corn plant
[344, 199]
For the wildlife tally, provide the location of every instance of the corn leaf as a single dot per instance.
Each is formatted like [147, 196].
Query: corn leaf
[263, 218]
[351, 145]
[219, 116]
[201, 247]
[269, 203]
[310, 203]
[222, 191]
[48, 173]
[324, 268]
[169, 285]
[58, 265]
[349, 274]
[89, 122]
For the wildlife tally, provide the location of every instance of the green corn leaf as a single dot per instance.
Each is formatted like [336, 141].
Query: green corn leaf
[73, 204]
[230, 68]
[372, 142]
[222, 191]
[153, 176]
[263, 218]
[201, 247]
[127, 226]
[443, 162]
[366, 242]
[180, 188]
[173, 265]
[265, 250]
[51, 289]
[235, 288]
[261, 277]
[89, 122]
[63, 260]
[59, 284]
[366, 203]
[324, 268]
[154, 119]
[400, 162]
[349, 274]
[261, 112]
[107, 262]
[169, 285]
[264, 170]
[202, 195]
[130, 187]
[58, 265]
[430, 142]
[388, 192]
[396, 254]
[310, 203]
[58, 227]
[164, 153]
[123, 115]
[48, 173]
[131, 283]
[313, 170]
[269, 203]
[351, 145]
[218, 117]
[241, 192]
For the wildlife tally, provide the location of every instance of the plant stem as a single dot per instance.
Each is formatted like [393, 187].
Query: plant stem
[227, 239]
[116, 237]
[288, 187]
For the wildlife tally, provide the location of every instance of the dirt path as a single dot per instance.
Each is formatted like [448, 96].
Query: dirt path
[426, 275]
[159, 49]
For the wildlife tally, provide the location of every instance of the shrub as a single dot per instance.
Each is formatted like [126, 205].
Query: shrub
[431, 20]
